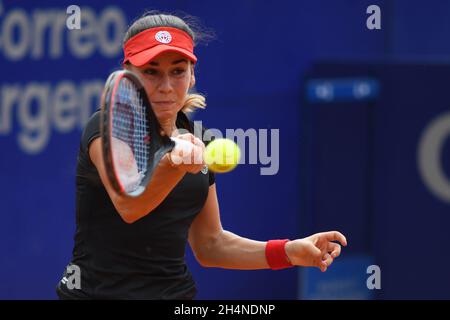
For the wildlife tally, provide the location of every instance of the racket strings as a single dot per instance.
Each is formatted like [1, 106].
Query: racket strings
[130, 126]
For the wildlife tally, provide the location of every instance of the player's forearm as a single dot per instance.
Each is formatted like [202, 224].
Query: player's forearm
[164, 179]
[231, 251]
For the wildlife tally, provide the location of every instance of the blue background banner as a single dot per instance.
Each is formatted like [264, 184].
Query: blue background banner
[378, 171]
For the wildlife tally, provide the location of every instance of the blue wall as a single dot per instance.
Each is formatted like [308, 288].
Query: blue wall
[252, 74]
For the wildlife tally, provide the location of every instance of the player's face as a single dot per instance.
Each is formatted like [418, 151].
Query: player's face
[167, 79]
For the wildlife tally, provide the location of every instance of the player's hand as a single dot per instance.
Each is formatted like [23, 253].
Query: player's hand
[317, 250]
[187, 155]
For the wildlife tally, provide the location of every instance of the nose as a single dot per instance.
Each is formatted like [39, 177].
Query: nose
[165, 85]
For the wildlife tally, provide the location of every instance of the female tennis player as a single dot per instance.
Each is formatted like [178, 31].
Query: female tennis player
[134, 247]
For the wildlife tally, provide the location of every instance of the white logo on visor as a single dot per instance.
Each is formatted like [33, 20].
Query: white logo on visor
[163, 37]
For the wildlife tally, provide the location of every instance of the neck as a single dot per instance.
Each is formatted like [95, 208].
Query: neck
[168, 127]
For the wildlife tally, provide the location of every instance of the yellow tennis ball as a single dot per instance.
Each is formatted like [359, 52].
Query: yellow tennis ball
[222, 155]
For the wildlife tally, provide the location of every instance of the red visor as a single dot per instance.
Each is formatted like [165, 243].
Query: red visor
[147, 44]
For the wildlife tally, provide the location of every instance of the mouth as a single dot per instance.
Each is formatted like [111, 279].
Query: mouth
[163, 103]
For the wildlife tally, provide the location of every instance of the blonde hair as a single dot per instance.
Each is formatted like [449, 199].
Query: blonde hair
[194, 101]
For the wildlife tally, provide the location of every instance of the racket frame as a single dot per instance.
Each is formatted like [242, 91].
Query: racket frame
[159, 145]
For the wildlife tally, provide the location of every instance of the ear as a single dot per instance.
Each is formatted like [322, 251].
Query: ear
[192, 82]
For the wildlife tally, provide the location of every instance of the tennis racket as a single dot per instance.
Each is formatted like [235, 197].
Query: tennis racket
[132, 143]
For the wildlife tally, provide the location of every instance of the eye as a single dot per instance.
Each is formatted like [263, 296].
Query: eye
[179, 71]
[151, 71]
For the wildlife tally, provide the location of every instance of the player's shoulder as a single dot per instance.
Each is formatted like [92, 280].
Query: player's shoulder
[196, 126]
[91, 129]
[188, 122]
[94, 118]
[93, 121]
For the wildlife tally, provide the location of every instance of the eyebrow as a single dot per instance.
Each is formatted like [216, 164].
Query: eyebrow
[153, 63]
